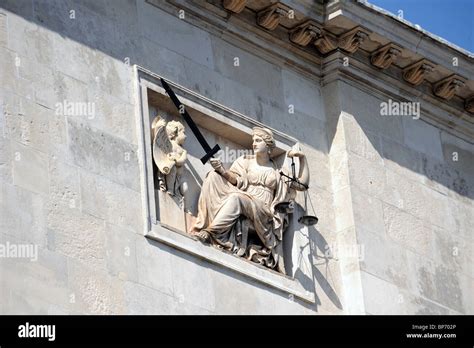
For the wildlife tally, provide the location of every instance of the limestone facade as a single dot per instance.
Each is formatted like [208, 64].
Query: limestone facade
[397, 188]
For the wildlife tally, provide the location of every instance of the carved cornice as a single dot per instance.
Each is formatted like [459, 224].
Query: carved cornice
[326, 42]
[269, 18]
[447, 87]
[323, 30]
[384, 56]
[416, 73]
[235, 6]
[303, 34]
[351, 41]
[309, 31]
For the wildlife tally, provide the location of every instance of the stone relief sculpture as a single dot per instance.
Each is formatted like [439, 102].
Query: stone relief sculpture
[169, 155]
[236, 210]
[243, 210]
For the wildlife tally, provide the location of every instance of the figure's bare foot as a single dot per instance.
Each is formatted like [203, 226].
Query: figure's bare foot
[203, 236]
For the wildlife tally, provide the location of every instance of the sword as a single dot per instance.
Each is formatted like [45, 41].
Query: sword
[210, 152]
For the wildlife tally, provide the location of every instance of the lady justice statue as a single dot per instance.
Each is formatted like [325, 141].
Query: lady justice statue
[236, 210]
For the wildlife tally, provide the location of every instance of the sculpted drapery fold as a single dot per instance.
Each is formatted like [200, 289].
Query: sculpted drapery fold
[239, 215]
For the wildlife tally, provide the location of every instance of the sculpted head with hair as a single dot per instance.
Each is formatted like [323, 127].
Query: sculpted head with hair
[236, 209]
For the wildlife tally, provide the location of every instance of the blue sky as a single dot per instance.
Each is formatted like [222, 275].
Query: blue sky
[453, 20]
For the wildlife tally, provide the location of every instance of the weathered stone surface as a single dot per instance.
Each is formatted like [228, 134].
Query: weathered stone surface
[120, 252]
[444, 174]
[384, 259]
[30, 40]
[258, 298]
[103, 154]
[82, 25]
[314, 134]
[368, 176]
[4, 292]
[113, 116]
[166, 62]
[368, 114]
[449, 290]
[95, 68]
[407, 230]
[69, 90]
[420, 306]
[64, 186]
[3, 30]
[322, 171]
[29, 126]
[463, 216]
[58, 136]
[22, 216]
[329, 270]
[458, 153]
[455, 252]
[205, 81]
[19, 304]
[185, 308]
[363, 143]
[196, 288]
[381, 296]
[418, 200]
[24, 8]
[142, 300]
[8, 74]
[194, 42]
[467, 284]
[75, 189]
[47, 276]
[422, 137]
[75, 60]
[250, 70]
[107, 200]
[41, 79]
[77, 235]
[343, 209]
[338, 160]
[321, 201]
[234, 304]
[303, 94]
[94, 291]
[368, 212]
[402, 160]
[6, 160]
[436, 282]
[154, 264]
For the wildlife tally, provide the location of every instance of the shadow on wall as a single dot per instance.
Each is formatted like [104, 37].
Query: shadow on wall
[323, 259]
[218, 276]
[318, 258]
[118, 32]
[401, 142]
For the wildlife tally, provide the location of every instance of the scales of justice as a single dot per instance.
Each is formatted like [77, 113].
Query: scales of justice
[243, 210]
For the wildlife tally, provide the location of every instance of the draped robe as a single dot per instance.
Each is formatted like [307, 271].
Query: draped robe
[235, 216]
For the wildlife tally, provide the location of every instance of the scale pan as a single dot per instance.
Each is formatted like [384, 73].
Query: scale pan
[284, 207]
[308, 220]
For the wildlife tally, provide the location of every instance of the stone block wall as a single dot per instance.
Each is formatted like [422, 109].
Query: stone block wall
[410, 188]
[70, 184]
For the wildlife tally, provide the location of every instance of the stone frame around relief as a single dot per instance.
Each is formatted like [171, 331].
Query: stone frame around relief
[147, 82]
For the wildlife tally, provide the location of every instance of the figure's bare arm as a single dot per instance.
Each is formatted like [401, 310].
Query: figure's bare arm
[230, 177]
[218, 167]
[303, 175]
